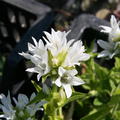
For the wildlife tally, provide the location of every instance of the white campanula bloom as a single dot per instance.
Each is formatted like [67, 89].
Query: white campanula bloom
[109, 49]
[113, 31]
[21, 110]
[56, 41]
[112, 47]
[7, 108]
[57, 58]
[67, 79]
[38, 56]
[57, 52]
[65, 53]
[75, 54]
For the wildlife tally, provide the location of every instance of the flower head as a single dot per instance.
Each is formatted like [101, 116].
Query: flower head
[57, 52]
[67, 79]
[75, 54]
[112, 47]
[113, 31]
[64, 52]
[21, 110]
[7, 108]
[38, 56]
[58, 58]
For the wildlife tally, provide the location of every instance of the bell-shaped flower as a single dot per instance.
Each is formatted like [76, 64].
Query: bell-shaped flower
[67, 79]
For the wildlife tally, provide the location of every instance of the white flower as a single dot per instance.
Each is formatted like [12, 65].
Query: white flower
[66, 79]
[7, 108]
[112, 47]
[64, 52]
[109, 49]
[32, 108]
[39, 57]
[57, 52]
[22, 102]
[56, 41]
[113, 31]
[11, 112]
[75, 54]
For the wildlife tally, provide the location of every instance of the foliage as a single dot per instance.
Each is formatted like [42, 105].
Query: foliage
[103, 86]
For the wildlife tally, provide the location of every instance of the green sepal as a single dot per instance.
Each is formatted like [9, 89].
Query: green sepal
[37, 87]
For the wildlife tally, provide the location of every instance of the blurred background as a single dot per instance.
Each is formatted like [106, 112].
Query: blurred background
[21, 19]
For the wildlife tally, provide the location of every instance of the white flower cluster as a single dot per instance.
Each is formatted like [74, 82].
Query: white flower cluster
[21, 111]
[57, 57]
[112, 47]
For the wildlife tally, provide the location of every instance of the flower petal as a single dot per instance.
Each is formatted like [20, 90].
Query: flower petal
[105, 45]
[105, 29]
[35, 42]
[68, 90]
[77, 81]
[58, 82]
[61, 71]
[113, 22]
[104, 54]
[26, 55]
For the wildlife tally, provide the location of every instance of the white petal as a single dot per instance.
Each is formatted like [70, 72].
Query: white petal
[104, 54]
[41, 44]
[61, 71]
[39, 76]
[112, 55]
[49, 37]
[58, 82]
[1, 96]
[72, 72]
[2, 116]
[106, 29]
[113, 22]
[46, 40]
[70, 42]
[77, 81]
[31, 47]
[32, 70]
[22, 100]
[105, 45]
[68, 90]
[84, 57]
[35, 42]
[26, 55]
[14, 99]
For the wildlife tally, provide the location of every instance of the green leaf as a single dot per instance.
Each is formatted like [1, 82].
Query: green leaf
[115, 99]
[37, 87]
[97, 102]
[99, 115]
[75, 96]
[117, 63]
